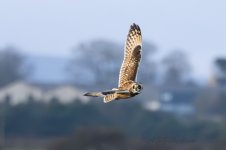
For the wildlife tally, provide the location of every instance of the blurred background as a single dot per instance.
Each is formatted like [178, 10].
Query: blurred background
[51, 52]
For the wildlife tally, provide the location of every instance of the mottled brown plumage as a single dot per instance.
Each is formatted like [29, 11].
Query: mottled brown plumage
[132, 55]
[127, 85]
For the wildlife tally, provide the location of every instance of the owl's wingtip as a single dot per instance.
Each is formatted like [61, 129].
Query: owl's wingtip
[135, 26]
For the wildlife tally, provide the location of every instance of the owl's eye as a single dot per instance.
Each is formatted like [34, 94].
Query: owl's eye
[139, 87]
[134, 86]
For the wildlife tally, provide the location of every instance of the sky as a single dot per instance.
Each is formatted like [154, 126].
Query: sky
[54, 27]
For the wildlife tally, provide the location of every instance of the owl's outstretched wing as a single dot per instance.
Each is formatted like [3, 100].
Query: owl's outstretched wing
[132, 55]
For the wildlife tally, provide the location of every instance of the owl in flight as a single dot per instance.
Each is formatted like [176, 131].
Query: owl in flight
[127, 85]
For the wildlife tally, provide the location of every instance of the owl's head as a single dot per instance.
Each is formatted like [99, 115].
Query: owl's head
[136, 88]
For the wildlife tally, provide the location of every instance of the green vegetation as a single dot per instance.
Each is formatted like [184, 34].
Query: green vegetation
[53, 119]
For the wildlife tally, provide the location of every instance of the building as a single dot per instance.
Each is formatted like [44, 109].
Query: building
[21, 92]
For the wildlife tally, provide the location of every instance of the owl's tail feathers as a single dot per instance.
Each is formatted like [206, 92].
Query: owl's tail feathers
[94, 94]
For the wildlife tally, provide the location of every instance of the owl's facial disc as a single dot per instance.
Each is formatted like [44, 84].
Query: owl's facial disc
[137, 88]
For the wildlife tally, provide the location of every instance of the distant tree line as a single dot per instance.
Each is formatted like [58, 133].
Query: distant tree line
[97, 63]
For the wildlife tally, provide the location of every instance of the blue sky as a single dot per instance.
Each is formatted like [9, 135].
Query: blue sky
[54, 27]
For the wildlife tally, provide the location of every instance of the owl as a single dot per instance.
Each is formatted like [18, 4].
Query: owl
[127, 85]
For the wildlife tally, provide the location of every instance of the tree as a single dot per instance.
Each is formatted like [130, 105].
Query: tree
[176, 68]
[12, 66]
[220, 65]
[98, 63]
